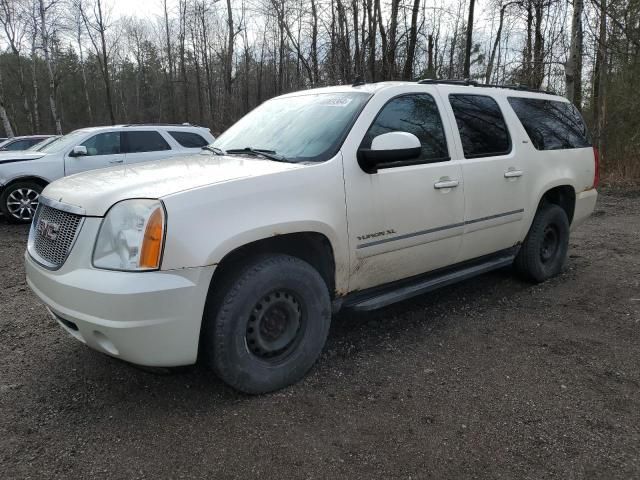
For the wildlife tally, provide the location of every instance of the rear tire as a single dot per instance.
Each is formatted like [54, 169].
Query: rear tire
[265, 326]
[544, 251]
[19, 201]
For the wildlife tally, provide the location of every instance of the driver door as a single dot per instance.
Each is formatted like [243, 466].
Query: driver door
[103, 150]
[407, 219]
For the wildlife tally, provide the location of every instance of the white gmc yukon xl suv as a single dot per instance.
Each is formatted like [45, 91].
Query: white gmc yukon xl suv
[344, 197]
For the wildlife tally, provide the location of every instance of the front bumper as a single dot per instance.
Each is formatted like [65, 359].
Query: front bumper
[147, 318]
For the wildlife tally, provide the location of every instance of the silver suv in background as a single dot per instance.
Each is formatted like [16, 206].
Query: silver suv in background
[23, 175]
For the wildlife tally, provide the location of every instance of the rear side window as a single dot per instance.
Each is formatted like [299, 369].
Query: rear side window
[482, 128]
[144, 141]
[189, 139]
[417, 114]
[551, 125]
[18, 145]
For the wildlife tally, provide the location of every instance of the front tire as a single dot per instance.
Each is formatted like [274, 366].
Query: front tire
[544, 251]
[265, 327]
[19, 201]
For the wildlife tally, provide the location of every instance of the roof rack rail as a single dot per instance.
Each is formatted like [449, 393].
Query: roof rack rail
[358, 82]
[185, 124]
[449, 81]
[473, 83]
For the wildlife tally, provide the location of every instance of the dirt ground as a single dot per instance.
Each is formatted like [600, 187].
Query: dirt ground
[492, 378]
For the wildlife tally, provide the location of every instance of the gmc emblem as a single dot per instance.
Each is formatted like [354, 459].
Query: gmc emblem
[48, 229]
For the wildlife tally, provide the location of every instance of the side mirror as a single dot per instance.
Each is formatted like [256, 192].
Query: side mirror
[78, 151]
[388, 149]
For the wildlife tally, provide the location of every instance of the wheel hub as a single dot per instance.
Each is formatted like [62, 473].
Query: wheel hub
[550, 242]
[274, 324]
[22, 203]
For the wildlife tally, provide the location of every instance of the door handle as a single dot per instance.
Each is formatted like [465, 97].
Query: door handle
[445, 184]
[513, 173]
[114, 162]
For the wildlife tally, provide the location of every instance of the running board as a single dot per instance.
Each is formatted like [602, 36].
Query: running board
[379, 297]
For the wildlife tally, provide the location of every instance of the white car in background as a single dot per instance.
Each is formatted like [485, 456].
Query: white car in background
[23, 175]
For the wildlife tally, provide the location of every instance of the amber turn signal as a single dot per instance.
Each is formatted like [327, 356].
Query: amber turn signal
[152, 241]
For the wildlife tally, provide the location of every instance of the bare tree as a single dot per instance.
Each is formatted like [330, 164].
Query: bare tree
[469, 42]
[14, 22]
[573, 68]
[97, 24]
[44, 9]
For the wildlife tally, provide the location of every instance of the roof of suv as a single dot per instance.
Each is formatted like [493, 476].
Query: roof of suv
[515, 90]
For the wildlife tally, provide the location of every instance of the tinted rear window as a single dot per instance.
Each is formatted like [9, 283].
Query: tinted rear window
[189, 139]
[141, 141]
[483, 130]
[551, 125]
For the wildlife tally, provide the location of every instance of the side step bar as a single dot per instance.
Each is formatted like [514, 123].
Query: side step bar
[379, 297]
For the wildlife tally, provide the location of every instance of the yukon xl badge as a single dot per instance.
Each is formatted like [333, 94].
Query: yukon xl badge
[376, 234]
[48, 229]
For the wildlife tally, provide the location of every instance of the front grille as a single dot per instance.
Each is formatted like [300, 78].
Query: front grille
[53, 233]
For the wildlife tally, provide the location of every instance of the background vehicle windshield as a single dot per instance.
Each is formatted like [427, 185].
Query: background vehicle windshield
[68, 141]
[304, 128]
[39, 146]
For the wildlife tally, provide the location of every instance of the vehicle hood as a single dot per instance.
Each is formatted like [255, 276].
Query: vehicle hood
[11, 157]
[97, 190]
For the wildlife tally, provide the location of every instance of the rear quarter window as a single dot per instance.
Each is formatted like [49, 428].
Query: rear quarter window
[189, 139]
[550, 124]
[139, 141]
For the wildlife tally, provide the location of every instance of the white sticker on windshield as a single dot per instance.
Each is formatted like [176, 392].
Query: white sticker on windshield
[336, 101]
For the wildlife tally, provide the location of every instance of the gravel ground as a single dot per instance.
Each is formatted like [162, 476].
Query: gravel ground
[492, 378]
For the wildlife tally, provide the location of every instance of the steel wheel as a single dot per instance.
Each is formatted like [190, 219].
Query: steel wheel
[22, 203]
[550, 243]
[274, 325]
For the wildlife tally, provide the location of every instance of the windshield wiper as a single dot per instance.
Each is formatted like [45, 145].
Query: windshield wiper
[259, 152]
[215, 150]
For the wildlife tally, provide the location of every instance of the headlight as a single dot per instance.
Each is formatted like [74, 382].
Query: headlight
[131, 236]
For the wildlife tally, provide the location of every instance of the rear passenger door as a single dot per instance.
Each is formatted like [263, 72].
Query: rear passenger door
[145, 146]
[494, 175]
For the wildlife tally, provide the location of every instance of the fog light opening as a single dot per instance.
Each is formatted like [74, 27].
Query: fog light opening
[105, 343]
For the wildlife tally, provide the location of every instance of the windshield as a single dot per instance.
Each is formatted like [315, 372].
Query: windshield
[39, 146]
[304, 128]
[68, 141]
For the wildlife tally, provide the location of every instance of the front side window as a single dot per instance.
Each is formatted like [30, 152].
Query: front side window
[417, 114]
[303, 128]
[144, 141]
[189, 139]
[482, 128]
[103, 144]
[551, 125]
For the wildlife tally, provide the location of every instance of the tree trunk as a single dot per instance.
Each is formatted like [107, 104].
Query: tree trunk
[407, 72]
[84, 76]
[34, 80]
[599, 81]
[170, 84]
[573, 69]
[538, 47]
[4, 117]
[314, 43]
[47, 58]
[391, 43]
[492, 58]
[467, 50]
